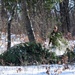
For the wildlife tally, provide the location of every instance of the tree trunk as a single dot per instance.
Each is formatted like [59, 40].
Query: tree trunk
[9, 26]
[9, 35]
[3, 14]
[2, 9]
[27, 23]
[64, 13]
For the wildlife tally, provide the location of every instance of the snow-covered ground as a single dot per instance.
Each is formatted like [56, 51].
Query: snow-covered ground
[53, 69]
[37, 70]
[15, 39]
[62, 48]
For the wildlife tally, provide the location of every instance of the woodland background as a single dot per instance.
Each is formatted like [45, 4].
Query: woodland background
[36, 18]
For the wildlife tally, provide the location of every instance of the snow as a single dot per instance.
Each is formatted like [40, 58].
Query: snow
[55, 69]
[15, 39]
[62, 49]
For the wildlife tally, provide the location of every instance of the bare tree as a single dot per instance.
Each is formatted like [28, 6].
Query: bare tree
[64, 13]
[27, 22]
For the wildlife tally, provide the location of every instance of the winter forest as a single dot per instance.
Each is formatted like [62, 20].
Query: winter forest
[37, 37]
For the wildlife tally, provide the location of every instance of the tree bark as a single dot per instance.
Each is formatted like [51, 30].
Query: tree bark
[9, 35]
[9, 26]
[27, 23]
[64, 13]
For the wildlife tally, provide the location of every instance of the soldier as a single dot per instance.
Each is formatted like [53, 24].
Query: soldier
[54, 36]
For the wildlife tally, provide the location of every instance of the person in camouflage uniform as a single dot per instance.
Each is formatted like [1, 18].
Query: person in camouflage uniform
[54, 36]
[57, 42]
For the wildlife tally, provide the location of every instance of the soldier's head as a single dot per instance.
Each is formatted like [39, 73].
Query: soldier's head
[55, 28]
